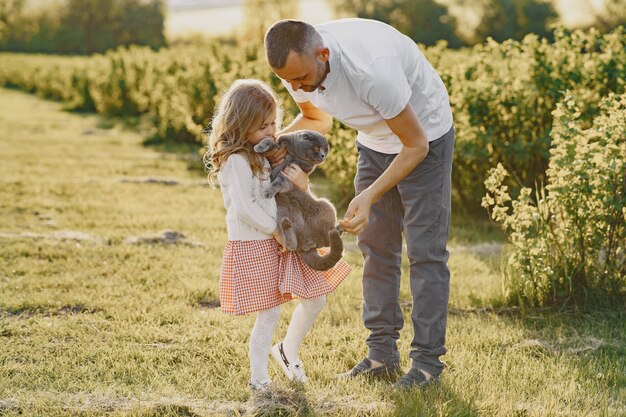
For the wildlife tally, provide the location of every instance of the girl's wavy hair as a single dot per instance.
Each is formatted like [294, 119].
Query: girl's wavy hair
[242, 109]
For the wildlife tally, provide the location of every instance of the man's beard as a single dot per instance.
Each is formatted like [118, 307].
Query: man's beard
[324, 72]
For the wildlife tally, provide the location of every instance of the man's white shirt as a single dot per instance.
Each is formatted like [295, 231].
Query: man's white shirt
[375, 71]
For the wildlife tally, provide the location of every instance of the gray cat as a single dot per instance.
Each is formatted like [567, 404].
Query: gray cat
[306, 222]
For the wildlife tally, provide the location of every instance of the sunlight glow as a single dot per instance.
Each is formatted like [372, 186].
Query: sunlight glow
[225, 20]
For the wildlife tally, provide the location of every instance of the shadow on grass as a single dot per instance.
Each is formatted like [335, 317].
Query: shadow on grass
[190, 152]
[434, 400]
[590, 345]
[171, 146]
[596, 338]
[27, 310]
[141, 124]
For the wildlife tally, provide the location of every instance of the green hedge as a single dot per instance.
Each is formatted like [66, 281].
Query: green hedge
[568, 243]
[502, 95]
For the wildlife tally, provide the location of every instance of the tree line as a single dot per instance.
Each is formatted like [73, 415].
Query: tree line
[470, 22]
[90, 26]
[81, 26]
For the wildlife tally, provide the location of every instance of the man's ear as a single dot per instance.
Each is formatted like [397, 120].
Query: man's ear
[323, 54]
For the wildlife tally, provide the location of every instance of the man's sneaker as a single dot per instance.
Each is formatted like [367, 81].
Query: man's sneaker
[259, 386]
[364, 368]
[415, 378]
[293, 370]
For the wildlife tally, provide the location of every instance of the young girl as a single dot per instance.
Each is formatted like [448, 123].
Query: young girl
[257, 275]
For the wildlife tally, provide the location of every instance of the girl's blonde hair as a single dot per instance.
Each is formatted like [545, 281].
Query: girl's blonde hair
[242, 109]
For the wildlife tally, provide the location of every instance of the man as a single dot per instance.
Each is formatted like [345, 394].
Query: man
[375, 80]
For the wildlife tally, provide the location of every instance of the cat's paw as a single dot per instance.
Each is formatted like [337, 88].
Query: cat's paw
[291, 241]
[307, 243]
[265, 145]
[285, 223]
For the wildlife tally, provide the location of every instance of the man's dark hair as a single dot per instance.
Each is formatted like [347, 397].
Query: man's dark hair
[290, 35]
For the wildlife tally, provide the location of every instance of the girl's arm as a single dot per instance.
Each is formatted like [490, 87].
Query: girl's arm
[237, 174]
[279, 238]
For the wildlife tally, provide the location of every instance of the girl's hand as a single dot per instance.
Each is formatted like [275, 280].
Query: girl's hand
[276, 156]
[297, 176]
[279, 238]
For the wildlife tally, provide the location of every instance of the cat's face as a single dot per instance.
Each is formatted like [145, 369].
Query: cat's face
[314, 146]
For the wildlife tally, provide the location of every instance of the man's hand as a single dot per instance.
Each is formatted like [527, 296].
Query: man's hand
[297, 176]
[357, 216]
[276, 156]
[414, 149]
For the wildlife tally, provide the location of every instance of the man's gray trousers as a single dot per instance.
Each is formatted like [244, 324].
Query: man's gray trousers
[419, 207]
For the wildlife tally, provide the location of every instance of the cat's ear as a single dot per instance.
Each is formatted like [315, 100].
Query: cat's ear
[309, 135]
[284, 138]
[264, 146]
[289, 136]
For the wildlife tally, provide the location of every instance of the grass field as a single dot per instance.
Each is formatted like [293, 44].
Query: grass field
[92, 325]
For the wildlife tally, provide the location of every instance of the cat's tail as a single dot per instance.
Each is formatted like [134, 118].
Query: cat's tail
[323, 263]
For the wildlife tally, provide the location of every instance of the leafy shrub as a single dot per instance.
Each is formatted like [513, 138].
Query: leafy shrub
[567, 246]
[503, 96]
[340, 166]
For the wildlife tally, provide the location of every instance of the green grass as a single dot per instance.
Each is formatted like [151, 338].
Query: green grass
[99, 327]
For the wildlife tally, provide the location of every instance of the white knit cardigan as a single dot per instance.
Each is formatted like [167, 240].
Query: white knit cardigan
[249, 215]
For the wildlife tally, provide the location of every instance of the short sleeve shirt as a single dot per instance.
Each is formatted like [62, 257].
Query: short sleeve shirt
[375, 71]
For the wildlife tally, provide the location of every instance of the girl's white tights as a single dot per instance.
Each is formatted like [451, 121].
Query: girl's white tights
[261, 336]
[301, 321]
[261, 343]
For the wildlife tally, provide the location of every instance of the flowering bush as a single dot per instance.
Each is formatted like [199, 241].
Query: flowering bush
[567, 244]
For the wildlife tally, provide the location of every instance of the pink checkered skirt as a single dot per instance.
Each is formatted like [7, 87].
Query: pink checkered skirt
[256, 276]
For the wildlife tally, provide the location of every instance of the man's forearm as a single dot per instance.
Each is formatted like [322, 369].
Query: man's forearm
[302, 122]
[414, 149]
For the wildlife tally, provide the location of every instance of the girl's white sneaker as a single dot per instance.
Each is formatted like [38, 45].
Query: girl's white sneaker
[259, 385]
[294, 371]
